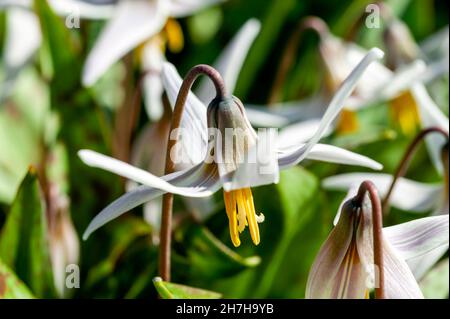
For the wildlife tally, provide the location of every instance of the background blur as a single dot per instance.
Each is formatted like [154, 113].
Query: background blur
[46, 116]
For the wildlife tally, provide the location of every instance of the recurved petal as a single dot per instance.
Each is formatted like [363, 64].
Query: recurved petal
[327, 153]
[431, 116]
[183, 8]
[407, 195]
[84, 9]
[337, 271]
[199, 180]
[284, 113]
[193, 125]
[123, 204]
[138, 175]
[134, 22]
[230, 61]
[421, 242]
[335, 106]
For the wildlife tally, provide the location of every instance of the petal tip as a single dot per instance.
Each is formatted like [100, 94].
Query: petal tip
[376, 53]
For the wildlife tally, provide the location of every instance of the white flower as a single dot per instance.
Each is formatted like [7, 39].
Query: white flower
[344, 266]
[229, 64]
[407, 195]
[133, 23]
[404, 89]
[23, 33]
[205, 177]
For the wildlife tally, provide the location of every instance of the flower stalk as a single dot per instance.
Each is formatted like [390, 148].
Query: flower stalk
[167, 206]
[406, 160]
[287, 58]
[369, 188]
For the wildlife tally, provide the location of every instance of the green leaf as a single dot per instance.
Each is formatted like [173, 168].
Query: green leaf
[272, 23]
[10, 286]
[23, 121]
[123, 235]
[23, 240]
[435, 284]
[210, 258]
[292, 210]
[59, 48]
[168, 290]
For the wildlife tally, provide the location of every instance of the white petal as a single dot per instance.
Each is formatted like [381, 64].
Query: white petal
[334, 154]
[335, 106]
[152, 60]
[341, 58]
[230, 61]
[399, 282]
[402, 79]
[282, 114]
[122, 205]
[200, 179]
[299, 133]
[261, 165]
[352, 192]
[331, 276]
[123, 169]
[134, 22]
[193, 125]
[183, 8]
[421, 242]
[26, 4]
[408, 195]
[262, 117]
[23, 37]
[431, 116]
[82, 9]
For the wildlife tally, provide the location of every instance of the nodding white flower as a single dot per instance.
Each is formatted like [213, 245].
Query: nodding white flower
[409, 196]
[152, 157]
[344, 266]
[382, 84]
[235, 169]
[410, 101]
[139, 23]
[23, 32]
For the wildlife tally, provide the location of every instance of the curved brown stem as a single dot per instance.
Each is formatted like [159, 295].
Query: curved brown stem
[167, 206]
[288, 56]
[368, 187]
[406, 160]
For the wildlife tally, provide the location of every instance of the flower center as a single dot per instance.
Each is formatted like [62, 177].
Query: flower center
[404, 112]
[241, 212]
[348, 122]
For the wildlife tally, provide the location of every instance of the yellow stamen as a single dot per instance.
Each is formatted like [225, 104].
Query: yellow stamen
[251, 216]
[404, 111]
[174, 34]
[230, 207]
[348, 122]
[241, 212]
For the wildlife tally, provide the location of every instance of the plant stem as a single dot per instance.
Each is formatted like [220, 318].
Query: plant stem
[377, 224]
[288, 56]
[406, 160]
[167, 206]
